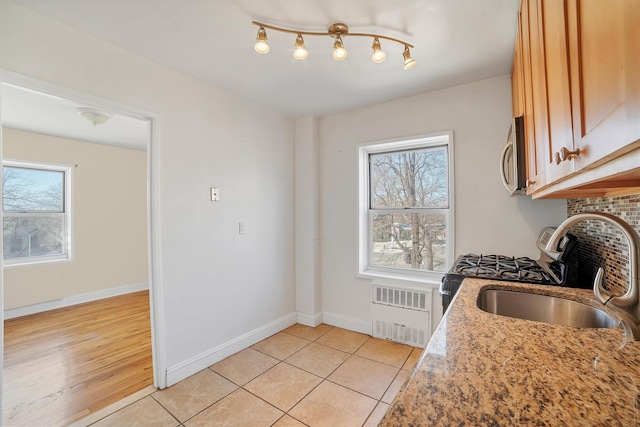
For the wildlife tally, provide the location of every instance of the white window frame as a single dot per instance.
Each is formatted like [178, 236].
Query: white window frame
[365, 248]
[67, 234]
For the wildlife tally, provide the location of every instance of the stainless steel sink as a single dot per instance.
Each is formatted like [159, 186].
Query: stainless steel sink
[543, 308]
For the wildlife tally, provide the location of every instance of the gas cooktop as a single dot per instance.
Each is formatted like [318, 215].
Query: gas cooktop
[501, 267]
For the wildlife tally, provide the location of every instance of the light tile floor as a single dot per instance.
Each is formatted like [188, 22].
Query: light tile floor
[302, 376]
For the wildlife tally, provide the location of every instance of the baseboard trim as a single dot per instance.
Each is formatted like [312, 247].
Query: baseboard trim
[207, 358]
[345, 322]
[309, 320]
[73, 300]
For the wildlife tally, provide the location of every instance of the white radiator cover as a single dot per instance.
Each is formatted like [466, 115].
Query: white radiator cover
[401, 314]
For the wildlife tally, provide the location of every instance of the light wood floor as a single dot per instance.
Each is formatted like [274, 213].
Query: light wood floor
[62, 365]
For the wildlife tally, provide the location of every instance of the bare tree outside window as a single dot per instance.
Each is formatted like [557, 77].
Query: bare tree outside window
[409, 196]
[34, 222]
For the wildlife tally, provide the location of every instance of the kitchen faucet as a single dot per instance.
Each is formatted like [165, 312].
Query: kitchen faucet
[628, 302]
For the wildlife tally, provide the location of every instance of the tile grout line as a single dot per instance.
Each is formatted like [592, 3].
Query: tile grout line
[202, 410]
[163, 407]
[323, 379]
[378, 401]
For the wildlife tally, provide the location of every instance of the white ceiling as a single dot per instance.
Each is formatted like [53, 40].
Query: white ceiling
[456, 42]
[32, 111]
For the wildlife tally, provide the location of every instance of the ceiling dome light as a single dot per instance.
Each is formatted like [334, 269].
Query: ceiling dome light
[300, 53]
[339, 52]
[94, 116]
[408, 62]
[261, 45]
[378, 53]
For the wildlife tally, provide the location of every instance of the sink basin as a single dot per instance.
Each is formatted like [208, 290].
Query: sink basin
[543, 308]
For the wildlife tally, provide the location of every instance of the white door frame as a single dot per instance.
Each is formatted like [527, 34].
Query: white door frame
[153, 204]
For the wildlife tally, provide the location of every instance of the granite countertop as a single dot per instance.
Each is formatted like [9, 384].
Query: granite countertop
[481, 369]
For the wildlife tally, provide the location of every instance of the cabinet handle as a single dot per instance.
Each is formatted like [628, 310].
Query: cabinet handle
[566, 154]
[530, 182]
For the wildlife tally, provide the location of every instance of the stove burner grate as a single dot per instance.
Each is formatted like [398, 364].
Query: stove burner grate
[502, 268]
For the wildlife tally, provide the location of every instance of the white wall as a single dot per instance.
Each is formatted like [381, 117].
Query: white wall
[307, 224]
[109, 197]
[220, 288]
[487, 220]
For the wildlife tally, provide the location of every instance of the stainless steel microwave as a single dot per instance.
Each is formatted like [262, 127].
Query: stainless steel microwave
[513, 167]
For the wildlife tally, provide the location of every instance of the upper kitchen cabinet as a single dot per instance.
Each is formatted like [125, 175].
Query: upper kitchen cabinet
[583, 98]
[554, 65]
[604, 46]
[524, 86]
[541, 58]
[517, 77]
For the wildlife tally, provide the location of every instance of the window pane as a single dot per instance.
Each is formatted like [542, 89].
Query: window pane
[32, 190]
[28, 236]
[409, 179]
[409, 240]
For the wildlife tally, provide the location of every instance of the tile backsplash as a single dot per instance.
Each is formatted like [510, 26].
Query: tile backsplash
[599, 243]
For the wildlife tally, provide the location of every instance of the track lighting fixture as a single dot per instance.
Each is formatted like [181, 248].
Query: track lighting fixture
[408, 61]
[378, 53]
[261, 45]
[337, 31]
[339, 52]
[300, 53]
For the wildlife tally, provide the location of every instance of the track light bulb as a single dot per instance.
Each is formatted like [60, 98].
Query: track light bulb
[261, 45]
[339, 52]
[408, 62]
[300, 53]
[378, 53]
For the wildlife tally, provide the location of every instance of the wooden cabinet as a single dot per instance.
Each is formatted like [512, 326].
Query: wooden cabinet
[523, 55]
[578, 87]
[558, 132]
[604, 43]
[517, 76]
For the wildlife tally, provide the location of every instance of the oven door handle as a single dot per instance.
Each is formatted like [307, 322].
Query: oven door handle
[442, 290]
[503, 173]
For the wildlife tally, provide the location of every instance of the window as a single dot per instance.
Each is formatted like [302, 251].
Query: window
[36, 213]
[406, 208]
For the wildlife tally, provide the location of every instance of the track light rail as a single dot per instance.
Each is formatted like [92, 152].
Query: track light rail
[340, 29]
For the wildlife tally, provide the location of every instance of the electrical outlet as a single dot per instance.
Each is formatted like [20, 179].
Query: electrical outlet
[215, 194]
[241, 227]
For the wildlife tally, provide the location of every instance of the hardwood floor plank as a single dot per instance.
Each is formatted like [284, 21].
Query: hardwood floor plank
[64, 364]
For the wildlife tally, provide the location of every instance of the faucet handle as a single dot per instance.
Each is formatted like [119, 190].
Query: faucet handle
[597, 285]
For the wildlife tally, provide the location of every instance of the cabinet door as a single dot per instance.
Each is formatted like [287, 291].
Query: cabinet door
[555, 57]
[517, 77]
[535, 168]
[604, 42]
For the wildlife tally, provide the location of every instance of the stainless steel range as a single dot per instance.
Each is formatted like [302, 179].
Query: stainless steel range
[544, 271]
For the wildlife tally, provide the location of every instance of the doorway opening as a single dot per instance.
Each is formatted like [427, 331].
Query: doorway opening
[110, 237]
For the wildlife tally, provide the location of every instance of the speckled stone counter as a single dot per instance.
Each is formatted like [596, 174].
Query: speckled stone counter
[481, 369]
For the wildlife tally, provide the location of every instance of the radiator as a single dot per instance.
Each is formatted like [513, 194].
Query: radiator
[401, 314]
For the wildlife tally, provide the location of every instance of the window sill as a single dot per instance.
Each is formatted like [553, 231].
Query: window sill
[33, 263]
[429, 281]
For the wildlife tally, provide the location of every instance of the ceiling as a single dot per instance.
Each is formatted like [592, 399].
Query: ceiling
[456, 42]
[32, 111]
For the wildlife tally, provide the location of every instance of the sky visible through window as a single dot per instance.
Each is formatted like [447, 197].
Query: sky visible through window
[27, 189]
[34, 220]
